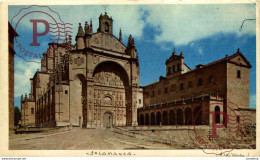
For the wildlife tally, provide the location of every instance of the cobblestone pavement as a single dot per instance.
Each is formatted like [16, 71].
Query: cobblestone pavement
[81, 139]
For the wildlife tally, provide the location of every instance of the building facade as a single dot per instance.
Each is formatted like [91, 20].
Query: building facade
[94, 83]
[12, 35]
[190, 96]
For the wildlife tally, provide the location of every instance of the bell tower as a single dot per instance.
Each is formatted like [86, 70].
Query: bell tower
[105, 24]
[175, 65]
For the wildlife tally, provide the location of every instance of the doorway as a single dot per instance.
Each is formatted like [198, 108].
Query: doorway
[108, 119]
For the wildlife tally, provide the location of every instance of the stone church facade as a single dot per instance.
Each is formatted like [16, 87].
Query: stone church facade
[94, 83]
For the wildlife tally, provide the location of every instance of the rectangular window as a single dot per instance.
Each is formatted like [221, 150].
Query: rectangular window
[169, 70]
[178, 67]
[166, 90]
[238, 74]
[32, 110]
[181, 86]
[140, 101]
[66, 91]
[153, 93]
[200, 82]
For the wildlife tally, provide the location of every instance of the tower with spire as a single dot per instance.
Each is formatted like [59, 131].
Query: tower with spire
[80, 38]
[130, 49]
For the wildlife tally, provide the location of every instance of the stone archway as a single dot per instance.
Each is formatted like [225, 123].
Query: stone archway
[188, 116]
[165, 118]
[141, 120]
[77, 94]
[147, 117]
[179, 117]
[158, 118]
[152, 118]
[112, 93]
[197, 115]
[172, 117]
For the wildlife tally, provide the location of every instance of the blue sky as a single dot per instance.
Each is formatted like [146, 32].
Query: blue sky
[204, 33]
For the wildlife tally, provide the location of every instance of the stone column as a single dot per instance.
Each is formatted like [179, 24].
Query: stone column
[150, 119]
[134, 107]
[175, 117]
[42, 111]
[49, 104]
[36, 113]
[46, 107]
[168, 116]
[89, 106]
[57, 103]
[129, 105]
[192, 117]
[155, 117]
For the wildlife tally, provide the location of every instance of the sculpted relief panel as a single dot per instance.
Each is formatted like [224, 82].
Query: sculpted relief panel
[107, 77]
[109, 94]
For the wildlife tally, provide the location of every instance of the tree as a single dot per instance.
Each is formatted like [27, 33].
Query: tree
[17, 115]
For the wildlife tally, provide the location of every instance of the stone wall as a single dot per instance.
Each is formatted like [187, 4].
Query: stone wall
[238, 87]
[213, 81]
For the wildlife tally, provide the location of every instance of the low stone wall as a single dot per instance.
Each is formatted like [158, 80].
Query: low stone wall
[150, 137]
[185, 137]
[165, 127]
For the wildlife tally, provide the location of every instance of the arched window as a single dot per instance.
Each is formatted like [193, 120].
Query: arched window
[217, 114]
[106, 27]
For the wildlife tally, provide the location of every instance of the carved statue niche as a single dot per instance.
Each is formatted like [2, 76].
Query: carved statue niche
[108, 100]
[109, 76]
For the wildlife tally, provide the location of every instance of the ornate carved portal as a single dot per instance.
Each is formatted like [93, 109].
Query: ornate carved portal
[112, 95]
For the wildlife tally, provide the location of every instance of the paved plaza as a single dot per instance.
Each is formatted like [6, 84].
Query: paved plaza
[82, 139]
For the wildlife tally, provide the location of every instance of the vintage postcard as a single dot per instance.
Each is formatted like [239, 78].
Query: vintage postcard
[129, 79]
